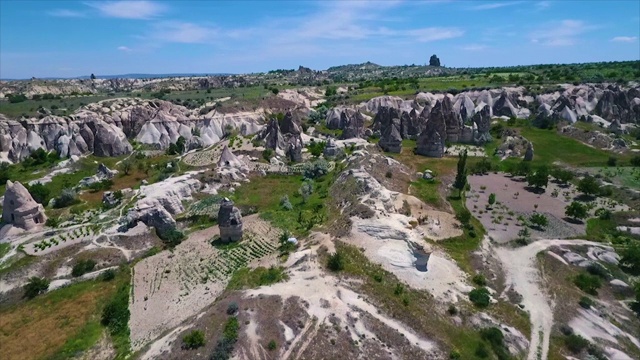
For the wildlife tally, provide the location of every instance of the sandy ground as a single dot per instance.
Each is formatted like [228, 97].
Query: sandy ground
[173, 285]
[328, 296]
[513, 197]
[523, 276]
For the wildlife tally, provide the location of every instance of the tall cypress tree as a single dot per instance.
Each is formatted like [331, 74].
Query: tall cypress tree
[461, 176]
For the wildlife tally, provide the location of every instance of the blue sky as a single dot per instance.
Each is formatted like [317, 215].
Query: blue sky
[73, 38]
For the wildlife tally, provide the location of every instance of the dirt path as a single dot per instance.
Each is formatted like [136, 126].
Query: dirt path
[523, 275]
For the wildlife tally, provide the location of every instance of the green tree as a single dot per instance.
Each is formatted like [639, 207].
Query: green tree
[588, 185]
[126, 165]
[587, 283]
[563, 176]
[93, 77]
[306, 190]
[539, 179]
[492, 199]
[35, 287]
[40, 193]
[539, 220]
[576, 210]
[461, 176]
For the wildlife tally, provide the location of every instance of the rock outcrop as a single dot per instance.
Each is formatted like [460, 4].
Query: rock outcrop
[482, 121]
[331, 149]
[391, 139]
[105, 128]
[19, 208]
[229, 221]
[230, 161]
[430, 144]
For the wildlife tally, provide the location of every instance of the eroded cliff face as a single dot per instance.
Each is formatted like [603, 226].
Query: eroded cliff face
[105, 128]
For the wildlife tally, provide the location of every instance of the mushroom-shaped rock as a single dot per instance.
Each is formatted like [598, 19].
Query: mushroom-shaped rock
[20, 209]
[230, 222]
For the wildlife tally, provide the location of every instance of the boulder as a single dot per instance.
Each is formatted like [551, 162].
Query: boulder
[331, 149]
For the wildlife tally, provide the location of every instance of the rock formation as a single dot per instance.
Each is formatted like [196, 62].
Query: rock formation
[103, 173]
[230, 222]
[528, 155]
[430, 144]
[229, 160]
[19, 208]
[331, 149]
[482, 121]
[391, 139]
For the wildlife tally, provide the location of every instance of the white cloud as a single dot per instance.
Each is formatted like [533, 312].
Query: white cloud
[124, 48]
[125, 9]
[435, 33]
[625, 39]
[183, 32]
[66, 13]
[474, 47]
[491, 6]
[541, 5]
[562, 33]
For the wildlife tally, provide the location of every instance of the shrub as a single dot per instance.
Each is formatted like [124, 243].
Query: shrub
[452, 310]
[587, 283]
[108, 275]
[35, 287]
[612, 161]
[388, 174]
[82, 267]
[316, 169]
[171, 237]
[285, 203]
[316, 148]
[272, 345]
[589, 185]
[630, 258]
[603, 214]
[335, 262]
[539, 220]
[39, 192]
[479, 280]
[464, 216]
[598, 270]
[232, 308]
[585, 302]
[267, 154]
[193, 340]
[115, 314]
[66, 198]
[576, 210]
[52, 222]
[576, 343]
[480, 297]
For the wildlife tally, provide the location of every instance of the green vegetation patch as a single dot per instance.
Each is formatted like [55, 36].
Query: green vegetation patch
[246, 278]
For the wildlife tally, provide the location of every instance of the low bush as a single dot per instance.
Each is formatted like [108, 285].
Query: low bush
[82, 267]
[480, 297]
[335, 262]
[35, 287]
[193, 340]
[115, 315]
[479, 280]
[576, 343]
[585, 302]
[108, 275]
[587, 283]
